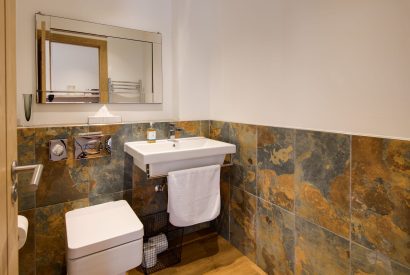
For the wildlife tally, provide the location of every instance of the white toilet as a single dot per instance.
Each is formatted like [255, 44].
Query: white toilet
[103, 239]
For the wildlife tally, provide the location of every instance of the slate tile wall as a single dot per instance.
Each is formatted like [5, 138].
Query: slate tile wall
[70, 184]
[309, 202]
[381, 196]
[295, 201]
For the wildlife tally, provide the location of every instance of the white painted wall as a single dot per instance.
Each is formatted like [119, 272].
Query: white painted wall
[333, 65]
[194, 27]
[126, 59]
[149, 15]
[130, 60]
[341, 66]
[75, 66]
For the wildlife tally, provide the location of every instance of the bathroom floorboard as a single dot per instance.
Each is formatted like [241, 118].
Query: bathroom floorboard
[212, 255]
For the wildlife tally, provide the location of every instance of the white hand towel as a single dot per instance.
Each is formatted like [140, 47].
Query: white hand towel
[194, 195]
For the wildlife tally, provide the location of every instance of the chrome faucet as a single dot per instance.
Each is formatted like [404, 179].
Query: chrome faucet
[172, 130]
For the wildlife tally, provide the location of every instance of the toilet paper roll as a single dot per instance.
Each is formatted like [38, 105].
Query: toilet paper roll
[22, 224]
[150, 255]
[160, 241]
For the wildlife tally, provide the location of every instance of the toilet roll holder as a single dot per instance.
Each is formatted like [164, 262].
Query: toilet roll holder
[35, 179]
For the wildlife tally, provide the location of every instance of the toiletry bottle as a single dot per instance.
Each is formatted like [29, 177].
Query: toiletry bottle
[151, 134]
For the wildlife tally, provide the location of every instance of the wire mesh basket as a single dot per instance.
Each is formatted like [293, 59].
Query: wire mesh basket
[155, 227]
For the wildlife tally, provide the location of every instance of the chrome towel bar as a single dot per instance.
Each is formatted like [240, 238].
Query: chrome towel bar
[147, 168]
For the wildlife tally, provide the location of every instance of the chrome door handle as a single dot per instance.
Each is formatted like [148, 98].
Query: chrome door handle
[35, 179]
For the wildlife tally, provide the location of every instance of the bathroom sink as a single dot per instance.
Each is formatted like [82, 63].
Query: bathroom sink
[163, 156]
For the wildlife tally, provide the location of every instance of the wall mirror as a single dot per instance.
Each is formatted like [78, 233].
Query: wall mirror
[84, 62]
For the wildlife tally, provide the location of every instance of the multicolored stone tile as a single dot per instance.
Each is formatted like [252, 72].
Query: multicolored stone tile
[204, 130]
[381, 196]
[123, 195]
[139, 177]
[221, 223]
[276, 166]
[242, 223]
[275, 241]
[26, 155]
[107, 174]
[366, 261]
[380, 192]
[244, 137]
[27, 254]
[322, 179]
[162, 129]
[145, 200]
[319, 251]
[50, 236]
[26, 140]
[45, 134]
[60, 183]
[363, 260]
[64, 180]
[188, 129]
[128, 170]
[219, 130]
[120, 133]
[139, 131]
[398, 269]
[26, 196]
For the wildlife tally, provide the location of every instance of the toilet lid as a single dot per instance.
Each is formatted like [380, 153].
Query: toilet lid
[96, 228]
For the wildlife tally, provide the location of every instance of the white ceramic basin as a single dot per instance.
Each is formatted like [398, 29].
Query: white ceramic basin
[165, 155]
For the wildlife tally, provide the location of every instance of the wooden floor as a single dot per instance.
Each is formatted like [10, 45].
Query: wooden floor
[213, 255]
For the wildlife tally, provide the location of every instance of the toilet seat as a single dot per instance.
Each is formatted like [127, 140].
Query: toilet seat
[103, 239]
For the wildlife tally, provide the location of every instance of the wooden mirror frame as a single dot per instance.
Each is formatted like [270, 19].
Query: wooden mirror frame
[43, 34]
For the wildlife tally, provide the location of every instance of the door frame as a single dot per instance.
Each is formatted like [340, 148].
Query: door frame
[8, 138]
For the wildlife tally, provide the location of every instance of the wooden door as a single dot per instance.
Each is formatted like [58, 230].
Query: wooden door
[8, 138]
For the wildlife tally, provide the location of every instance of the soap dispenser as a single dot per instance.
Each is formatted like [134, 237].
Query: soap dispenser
[151, 134]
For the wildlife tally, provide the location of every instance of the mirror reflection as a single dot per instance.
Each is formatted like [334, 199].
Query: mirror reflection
[72, 73]
[129, 70]
[83, 62]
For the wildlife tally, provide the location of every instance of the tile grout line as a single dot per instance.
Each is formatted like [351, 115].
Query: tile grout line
[43, 126]
[350, 206]
[35, 207]
[324, 228]
[230, 183]
[35, 161]
[209, 128]
[257, 162]
[297, 216]
[351, 242]
[275, 205]
[294, 201]
[255, 226]
[379, 253]
[229, 208]
[230, 187]
[324, 131]
[35, 242]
